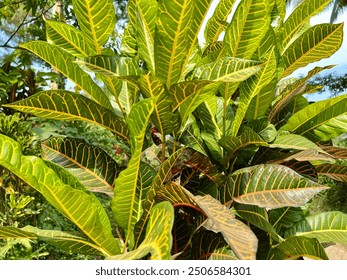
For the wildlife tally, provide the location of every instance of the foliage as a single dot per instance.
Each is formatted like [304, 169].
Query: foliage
[225, 151]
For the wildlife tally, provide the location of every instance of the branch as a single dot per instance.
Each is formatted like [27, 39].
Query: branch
[25, 23]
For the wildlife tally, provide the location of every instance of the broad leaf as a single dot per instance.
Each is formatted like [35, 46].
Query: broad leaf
[163, 176]
[326, 227]
[69, 242]
[294, 142]
[247, 28]
[162, 116]
[295, 247]
[97, 19]
[235, 145]
[175, 194]
[146, 13]
[83, 209]
[252, 89]
[122, 67]
[239, 237]
[69, 38]
[319, 42]
[337, 172]
[64, 63]
[300, 16]
[308, 120]
[173, 25]
[158, 240]
[126, 203]
[273, 186]
[258, 217]
[91, 165]
[291, 89]
[65, 105]
[218, 22]
[187, 96]
[336, 152]
[227, 69]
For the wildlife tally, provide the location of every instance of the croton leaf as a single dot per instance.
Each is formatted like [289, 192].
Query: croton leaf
[69, 242]
[326, 227]
[64, 62]
[65, 105]
[240, 238]
[126, 204]
[158, 240]
[337, 172]
[319, 42]
[247, 28]
[97, 19]
[295, 247]
[91, 165]
[273, 186]
[309, 120]
[80, 207]
[69, 38]
[300, 16]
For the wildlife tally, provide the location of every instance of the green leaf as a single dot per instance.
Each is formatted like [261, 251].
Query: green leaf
[65, 105]
[158, 240]
[295, 247]
[129, 42]
[68, 242]
[326, 227]
[227, 69]
[162, 115]
[83, 209]
[235, 145]
[64, 62]
[174, 161]
[258, 217]
[337, 172]
[187, 96]
[301, 16]
[122, 67]
[248, 27]
[175, 194]
[239, 236]
[201, 10]
[217, 23]
[94, 168]
[298, 87]
[286, 217]
[97, 20]
[252, 90]
[294, 142]
[320, 41]
[273, 186]
[309, 120]
[69, 38]
[126, 204]
[146, 13]
[173, 25]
